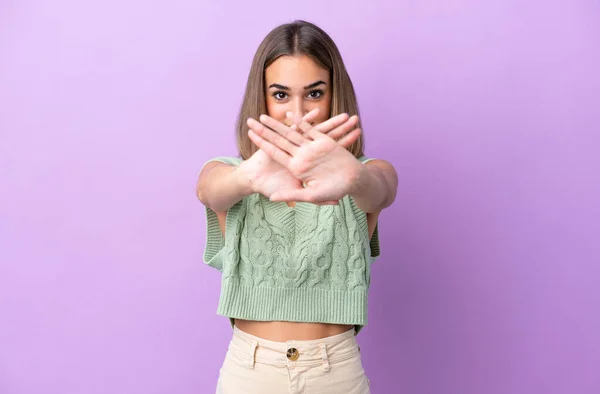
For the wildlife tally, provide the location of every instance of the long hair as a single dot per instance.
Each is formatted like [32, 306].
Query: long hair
[299, 38]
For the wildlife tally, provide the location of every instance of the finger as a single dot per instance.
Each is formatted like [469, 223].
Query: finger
[343, 129]
[311, 131]
[345, 141]
[271, 136]
[311, 116]
[301, 126]
[282, 130]
[274, 152]
[349, 138]
[295, 120]
[292, 119]
[332, 123]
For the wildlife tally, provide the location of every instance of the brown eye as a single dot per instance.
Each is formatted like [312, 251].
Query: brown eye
[315, 94]
[280, 95]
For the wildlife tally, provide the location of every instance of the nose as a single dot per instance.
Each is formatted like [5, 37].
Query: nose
[299, 108]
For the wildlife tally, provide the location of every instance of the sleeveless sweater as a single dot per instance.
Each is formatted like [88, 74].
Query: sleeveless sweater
[306, 263]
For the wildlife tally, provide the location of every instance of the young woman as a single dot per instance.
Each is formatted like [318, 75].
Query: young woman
[292, 222]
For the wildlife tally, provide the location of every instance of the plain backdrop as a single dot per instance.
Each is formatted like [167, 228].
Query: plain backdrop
[489, 277]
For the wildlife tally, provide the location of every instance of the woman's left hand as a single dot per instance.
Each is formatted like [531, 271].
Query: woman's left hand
[328, 170]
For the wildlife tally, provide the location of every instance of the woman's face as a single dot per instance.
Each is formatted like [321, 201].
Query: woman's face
[297, 84]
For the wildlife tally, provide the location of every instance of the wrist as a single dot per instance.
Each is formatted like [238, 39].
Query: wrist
[243, 180]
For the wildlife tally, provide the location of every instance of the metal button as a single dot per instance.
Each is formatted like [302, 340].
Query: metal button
[293, 354]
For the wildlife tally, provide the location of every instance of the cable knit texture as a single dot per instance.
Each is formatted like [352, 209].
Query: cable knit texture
[308, 263]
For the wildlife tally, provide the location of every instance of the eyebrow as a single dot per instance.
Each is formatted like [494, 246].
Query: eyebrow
[312, 85]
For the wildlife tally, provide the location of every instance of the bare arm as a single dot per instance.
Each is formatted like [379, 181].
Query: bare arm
[375, 188]
[220, 186]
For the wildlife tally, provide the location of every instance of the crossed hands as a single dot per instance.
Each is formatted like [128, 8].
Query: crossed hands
[303, 162]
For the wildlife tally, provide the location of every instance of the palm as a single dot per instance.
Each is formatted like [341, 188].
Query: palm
[314, 158]
[268, 176]
[327, 169]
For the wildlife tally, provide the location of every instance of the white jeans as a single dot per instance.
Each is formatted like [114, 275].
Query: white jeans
[256, 366]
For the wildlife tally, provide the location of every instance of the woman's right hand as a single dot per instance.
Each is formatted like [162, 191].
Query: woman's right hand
[266, 176]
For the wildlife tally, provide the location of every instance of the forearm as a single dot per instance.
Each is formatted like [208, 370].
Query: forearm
[375, 188]
[221, 186]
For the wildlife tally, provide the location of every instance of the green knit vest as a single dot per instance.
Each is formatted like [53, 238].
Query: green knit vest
[308, 263]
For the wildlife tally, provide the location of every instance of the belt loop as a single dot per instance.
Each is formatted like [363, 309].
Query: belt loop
[324, 357]
[252, 359]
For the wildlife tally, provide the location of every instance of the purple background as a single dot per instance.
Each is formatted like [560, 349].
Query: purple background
[489, 280]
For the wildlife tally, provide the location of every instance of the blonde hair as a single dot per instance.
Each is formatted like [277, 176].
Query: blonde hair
[299, 38]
